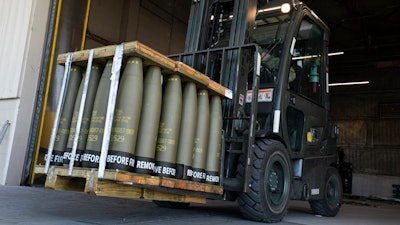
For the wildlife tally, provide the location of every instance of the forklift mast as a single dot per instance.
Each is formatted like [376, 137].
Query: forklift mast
[218, 43]
[206, 19]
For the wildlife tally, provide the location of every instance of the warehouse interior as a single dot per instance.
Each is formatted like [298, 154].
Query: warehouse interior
[368, 115]
[368, 32]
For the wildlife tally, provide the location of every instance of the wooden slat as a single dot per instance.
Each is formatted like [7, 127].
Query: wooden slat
[150, 56]
[142, 179]
[39, 169]
[202, 80]
[168, 183]
[111, 189]
[163, 196]
[190, 185]
[59, 182]
[219, 89]
[135, 48]
[187, 71]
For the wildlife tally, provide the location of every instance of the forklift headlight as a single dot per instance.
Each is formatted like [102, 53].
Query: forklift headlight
[285, 8]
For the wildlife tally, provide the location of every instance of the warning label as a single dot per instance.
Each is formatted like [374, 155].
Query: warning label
[264, 95]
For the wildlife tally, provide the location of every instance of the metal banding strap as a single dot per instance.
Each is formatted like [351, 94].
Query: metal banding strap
[115, 73]
[60, 105]
[80, 113]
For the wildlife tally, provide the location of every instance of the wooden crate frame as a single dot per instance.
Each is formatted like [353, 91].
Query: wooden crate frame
[128, 185]
[123, 184]
[151, 57]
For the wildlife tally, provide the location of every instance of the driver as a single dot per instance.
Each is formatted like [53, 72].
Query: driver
[270, 64]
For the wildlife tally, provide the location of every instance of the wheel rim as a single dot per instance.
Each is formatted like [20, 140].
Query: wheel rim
[276, 182]
[332, 192]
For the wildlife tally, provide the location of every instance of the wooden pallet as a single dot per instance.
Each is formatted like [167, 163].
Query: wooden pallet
[151, 57]
[129, 185]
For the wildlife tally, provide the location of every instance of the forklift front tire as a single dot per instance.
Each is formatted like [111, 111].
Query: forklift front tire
[271, 181]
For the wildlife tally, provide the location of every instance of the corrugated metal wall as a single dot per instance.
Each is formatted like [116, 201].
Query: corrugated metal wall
[371, 142]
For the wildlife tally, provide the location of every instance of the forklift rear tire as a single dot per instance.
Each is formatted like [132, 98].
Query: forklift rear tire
[172, 205]
[269, 189]
[330, 205]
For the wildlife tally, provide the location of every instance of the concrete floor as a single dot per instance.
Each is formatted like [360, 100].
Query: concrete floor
[29, 205]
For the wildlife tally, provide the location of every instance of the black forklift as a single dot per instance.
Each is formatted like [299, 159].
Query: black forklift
[277, 141]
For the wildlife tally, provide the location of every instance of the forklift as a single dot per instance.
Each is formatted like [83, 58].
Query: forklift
[270, 60]
[277, 141]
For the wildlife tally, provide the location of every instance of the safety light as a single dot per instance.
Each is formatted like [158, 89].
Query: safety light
[285, 8]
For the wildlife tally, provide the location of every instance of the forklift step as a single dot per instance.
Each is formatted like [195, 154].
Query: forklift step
[234, 139]
[235, 151]
[233, 184]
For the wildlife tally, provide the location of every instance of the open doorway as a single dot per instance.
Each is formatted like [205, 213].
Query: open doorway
[93, 23]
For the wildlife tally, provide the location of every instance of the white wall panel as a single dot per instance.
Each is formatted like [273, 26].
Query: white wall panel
[370, 185]
[23, 26]
[14, 27]
[8, 111]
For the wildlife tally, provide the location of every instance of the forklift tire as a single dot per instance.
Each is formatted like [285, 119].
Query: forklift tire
[270, 186]
[172, 205]
[330, 205]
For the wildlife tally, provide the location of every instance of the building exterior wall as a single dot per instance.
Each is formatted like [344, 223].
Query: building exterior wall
[23, 27]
